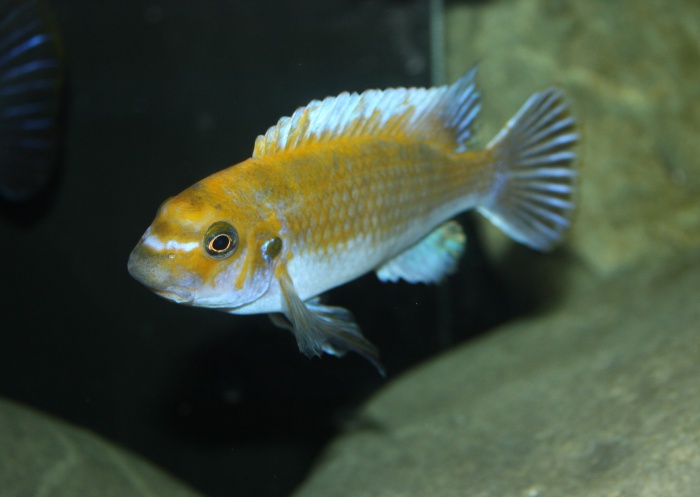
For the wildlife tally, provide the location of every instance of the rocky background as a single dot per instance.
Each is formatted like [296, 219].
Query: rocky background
[41, 455]
[597, 392]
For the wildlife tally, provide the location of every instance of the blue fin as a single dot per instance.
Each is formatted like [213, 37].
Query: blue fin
[31, 80]
[430, 260]
[320, 328]
[532, 197]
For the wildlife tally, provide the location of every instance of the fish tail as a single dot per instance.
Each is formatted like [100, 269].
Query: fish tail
[532, 197]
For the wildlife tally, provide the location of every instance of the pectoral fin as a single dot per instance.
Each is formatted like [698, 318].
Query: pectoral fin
[429, 260]
[320, 328]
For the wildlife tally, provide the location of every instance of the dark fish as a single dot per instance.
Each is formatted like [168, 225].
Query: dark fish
[30, 88]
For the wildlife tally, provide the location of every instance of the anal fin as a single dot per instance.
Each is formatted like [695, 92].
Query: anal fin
[320, 328]
[429, 260]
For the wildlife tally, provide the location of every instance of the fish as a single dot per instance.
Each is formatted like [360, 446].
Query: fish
[356, 183]
[31, 84]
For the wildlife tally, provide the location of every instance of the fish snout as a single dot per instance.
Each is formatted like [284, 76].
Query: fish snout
[151, 269]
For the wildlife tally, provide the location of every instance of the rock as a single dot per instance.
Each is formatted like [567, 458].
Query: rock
[598, 398]
[44, 456]
[631, 70]
[599, 394]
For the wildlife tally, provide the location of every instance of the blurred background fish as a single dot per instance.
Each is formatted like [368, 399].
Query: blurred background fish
[31, 80]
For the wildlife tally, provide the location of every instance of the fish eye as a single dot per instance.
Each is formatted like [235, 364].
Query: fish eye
[221, 240]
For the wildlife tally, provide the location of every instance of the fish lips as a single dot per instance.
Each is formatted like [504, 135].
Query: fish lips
[178, 294]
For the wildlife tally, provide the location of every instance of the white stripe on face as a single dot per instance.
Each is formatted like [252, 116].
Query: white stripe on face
[155, 243]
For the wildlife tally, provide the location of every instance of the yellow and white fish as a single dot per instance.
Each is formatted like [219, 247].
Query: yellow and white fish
[352, 184]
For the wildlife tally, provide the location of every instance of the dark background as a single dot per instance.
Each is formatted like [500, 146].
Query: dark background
[159, 95]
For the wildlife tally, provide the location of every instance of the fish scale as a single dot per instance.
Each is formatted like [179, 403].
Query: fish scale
[393, 200]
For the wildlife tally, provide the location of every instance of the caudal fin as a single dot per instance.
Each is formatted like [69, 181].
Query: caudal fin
[532, 199]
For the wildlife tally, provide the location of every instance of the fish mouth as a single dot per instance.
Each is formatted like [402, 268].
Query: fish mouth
[175, 293]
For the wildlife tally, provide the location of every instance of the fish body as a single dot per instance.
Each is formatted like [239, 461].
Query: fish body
[31, 81]
[353, 184]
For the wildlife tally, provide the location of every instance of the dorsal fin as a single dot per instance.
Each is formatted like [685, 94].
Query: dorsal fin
[443, 114]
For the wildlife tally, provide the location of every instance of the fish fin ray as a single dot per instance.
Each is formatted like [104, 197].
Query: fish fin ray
[532, 199]
[443, 114]
[430, 260]
[31, 84]
[321, 328]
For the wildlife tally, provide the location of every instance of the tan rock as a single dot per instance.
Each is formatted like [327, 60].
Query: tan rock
[631, 69]
[599, 398]
[44, 456]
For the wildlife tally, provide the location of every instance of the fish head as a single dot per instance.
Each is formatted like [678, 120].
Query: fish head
[203, 252]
